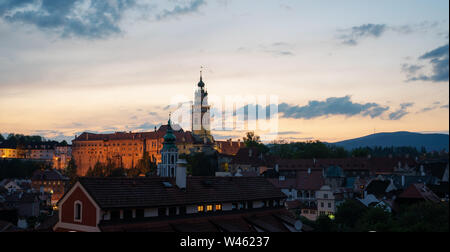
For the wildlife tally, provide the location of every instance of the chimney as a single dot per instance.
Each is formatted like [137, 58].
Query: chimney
[181, 174]
[403, 180]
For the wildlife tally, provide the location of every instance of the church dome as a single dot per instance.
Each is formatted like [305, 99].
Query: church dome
[201, 84]
[169, 138]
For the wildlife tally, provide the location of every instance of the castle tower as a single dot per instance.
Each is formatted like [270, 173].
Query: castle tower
[201, 111]
[169, 154]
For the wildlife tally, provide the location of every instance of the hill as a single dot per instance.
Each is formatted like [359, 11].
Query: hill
[432, 142]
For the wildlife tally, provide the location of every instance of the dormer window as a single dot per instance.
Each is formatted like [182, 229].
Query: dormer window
[78, 211]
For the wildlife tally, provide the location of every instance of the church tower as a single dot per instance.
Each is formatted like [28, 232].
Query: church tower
[169, 154]
[201, 111]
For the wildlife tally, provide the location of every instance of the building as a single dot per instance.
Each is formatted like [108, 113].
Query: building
[62, 157]
[124, 149]
[326, 202]
[49, 182]
[201, 125]
[8, 152]
[169, 154]
[158, 204]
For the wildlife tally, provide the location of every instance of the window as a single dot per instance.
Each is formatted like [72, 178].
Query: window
[140, 213]
[200, 209]
[329, 205]
[128, 214]
[182, 210]
[172, 211]
[115, 215]
[209, 208]
[162, 211]
[321, 204]
[234, 206]
[78, 211]
[219, 207]
[325, 195]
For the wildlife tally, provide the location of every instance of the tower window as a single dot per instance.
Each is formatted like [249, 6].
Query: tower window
[218, 207]
[200, 209]
[209, 208]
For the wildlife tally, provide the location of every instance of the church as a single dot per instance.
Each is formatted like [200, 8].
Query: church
[125, 149]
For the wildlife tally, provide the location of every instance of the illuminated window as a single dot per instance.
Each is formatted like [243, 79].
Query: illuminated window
[219, 207]
[209, 208]
[200, 209]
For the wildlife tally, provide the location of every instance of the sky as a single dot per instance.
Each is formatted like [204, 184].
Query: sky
[339, 69]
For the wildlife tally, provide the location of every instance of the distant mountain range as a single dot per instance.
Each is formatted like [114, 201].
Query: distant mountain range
[432, 142]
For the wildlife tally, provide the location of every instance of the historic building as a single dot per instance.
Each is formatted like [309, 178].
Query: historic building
[169, 154]
[126, 149]
[187, 204]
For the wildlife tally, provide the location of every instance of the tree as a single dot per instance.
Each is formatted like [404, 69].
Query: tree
[348, 214]
[71, 171]
[144, 166]
[1, 138]
[324, 224]
[201, 164]
[375, 219]
[253, 141]
[424, 217]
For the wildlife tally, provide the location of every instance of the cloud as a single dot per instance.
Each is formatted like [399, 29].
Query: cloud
[435, 105]
[275, 49]
[332, 106]
[438, 60]
[178, 10]
[79, 18]
[444, 107]
[353, 35]
[399, 114]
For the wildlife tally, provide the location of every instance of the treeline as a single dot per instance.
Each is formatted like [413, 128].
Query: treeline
[22, 141]
[352, 216]
[316, 149]
[21, 169]
[145, 166]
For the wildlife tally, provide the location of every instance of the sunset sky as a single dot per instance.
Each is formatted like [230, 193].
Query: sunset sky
[340, 69]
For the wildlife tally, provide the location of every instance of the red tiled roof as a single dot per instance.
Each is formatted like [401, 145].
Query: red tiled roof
[310, 181]
[48, 175]
[249, 156]
[419, 191]
[181, 135]
[151, 192]
[303, 181]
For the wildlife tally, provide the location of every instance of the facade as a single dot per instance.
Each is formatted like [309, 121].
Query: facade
[62, 157]
[202, 204]
[124, 149]
[326, 203]
[8, 153]
[49, 182]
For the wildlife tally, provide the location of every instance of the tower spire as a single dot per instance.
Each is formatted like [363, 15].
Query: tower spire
[201, 84]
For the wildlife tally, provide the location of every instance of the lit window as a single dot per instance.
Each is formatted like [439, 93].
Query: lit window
[209, 208]
[200, 209]
[219, 207]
